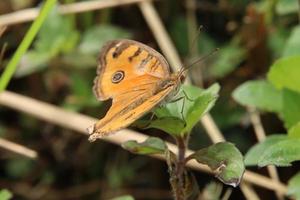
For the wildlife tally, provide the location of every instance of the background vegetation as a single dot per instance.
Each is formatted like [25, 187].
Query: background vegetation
[258, 109]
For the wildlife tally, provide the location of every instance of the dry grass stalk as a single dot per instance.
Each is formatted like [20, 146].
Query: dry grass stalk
[17, 148]
[30, 14]
[79, 122]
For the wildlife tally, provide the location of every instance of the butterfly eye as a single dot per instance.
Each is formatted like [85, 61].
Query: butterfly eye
[117, 76]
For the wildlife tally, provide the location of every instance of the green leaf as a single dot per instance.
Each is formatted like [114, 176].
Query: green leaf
[292, 46]
[230, 56]
[226, 159]
[260, 94]
[293, 187]
[170, 125]
[5, 194]
[151, 145]
[57, 35]
[284, 7]
[253, 155]
[201, 106]
[291, 107]
[281, 153]
[194, 106]
[276, 40]
[97, 36]
[294, 131]
[32, 61]
[125, 197]
[285, 72]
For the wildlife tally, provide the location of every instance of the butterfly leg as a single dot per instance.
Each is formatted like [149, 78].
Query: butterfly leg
[182, 107]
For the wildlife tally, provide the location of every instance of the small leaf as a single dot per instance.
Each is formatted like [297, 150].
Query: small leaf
[292, 46]
[291, 107]
[201, 106]
[293, 187]
[125, 197]
[285, 72]
[294, 132]
[260, 94]
[171, 125]
[226, 159]
[151, 145]
[5, 194]
[281, 154]
[253, 155]
[197, 103]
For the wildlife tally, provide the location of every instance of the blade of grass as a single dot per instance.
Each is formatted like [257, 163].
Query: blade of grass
[26, 42]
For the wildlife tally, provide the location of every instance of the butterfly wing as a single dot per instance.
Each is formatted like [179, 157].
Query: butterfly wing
[122, 63]
[126, 109]
[129, 73]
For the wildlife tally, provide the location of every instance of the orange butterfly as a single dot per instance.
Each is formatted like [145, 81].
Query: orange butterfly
[136, 78]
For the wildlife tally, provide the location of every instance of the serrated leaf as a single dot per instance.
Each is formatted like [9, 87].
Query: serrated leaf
[281, 153]
[291, 107]
[292, 46]
[97, 36]
[293, 187]
[284, 73]
[259, 94]
[197, 103]
[5, 194]
[253, 155]
[294, 131]
[226, 159]
[151, 145]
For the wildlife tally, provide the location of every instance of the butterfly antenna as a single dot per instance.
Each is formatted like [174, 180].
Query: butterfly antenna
[194, 41]
[199, 60]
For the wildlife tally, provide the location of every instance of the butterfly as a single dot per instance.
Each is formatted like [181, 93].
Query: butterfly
[137, 78]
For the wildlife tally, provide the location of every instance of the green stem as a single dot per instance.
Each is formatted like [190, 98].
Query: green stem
[26, 42]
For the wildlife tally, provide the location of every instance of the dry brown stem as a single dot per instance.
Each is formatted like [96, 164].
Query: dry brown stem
[79, 122]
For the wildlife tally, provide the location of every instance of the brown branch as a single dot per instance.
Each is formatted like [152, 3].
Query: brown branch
[166, 45]
[17, 148]
[30, 14]
[79, 122]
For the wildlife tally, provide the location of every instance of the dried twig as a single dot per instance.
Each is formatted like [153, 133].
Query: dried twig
[171, 54]
[261, 135]
[78, 7]
[17, 148]
[79, 122]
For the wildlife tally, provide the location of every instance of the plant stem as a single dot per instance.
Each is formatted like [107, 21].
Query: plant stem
[180, 164]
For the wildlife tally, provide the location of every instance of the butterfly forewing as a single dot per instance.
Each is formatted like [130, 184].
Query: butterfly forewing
[121, 62]
[133, 75]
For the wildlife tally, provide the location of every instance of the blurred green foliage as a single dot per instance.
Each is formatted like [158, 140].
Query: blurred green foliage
[256, 40]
